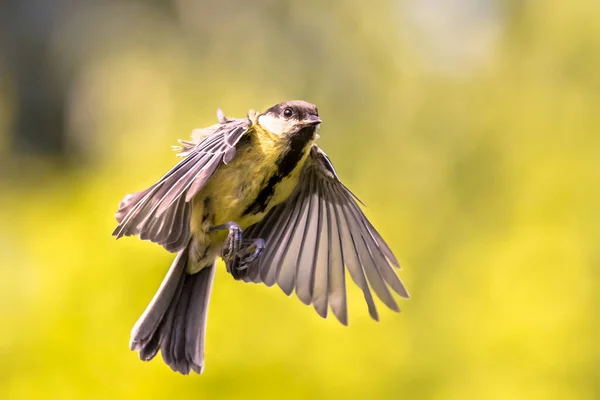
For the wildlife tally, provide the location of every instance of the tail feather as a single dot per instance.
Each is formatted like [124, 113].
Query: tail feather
[175, 320]
[195, 329]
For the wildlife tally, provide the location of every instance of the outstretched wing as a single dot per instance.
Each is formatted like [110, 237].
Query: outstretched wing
[161, 213]
[314, 236]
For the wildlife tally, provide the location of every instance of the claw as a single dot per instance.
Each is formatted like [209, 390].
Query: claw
[236, 257]
[243, 261]
[233, 241]
[242, 267]
[239, 265]
[249, 258]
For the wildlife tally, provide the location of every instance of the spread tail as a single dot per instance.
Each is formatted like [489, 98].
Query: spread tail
[175, 320]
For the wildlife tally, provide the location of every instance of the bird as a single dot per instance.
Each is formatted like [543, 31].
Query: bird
[260, 194]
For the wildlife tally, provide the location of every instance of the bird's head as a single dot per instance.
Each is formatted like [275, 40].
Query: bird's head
[290, 118]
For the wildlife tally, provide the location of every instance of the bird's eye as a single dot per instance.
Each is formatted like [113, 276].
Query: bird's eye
[288, 112]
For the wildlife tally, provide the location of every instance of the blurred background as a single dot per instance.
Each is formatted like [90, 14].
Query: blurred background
[471, 129]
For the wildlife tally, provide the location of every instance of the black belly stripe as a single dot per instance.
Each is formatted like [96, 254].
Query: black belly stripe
[285, 165]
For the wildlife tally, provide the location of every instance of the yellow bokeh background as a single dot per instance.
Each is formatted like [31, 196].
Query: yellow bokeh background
[474, 143]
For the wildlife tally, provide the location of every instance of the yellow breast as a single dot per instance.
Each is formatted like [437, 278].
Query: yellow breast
[236, 185]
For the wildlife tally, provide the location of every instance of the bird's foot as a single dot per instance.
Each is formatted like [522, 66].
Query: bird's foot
[237, 253]
[233, 243]
[250, 253]
[238, 266]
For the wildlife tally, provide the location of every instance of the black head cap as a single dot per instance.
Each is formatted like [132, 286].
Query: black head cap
[294, 109]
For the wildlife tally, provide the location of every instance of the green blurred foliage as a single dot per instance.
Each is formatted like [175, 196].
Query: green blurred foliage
[484, 178]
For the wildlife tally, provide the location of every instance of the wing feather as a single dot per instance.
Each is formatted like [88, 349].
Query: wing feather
[318, 233]
[270, 265]
[337, 284]
[320, 278]
[377, 249]
[161, 213]
[366, 260]
[278, 274]
[287, 276]
[305, 256]
[199, 162]
[265, 231]
[352, 262]
[183, 233]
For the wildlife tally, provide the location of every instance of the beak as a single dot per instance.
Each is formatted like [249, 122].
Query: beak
[312, 120]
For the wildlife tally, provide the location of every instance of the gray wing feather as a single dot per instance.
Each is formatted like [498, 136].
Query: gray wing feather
[337, 279]
[352, 262]
[161, 213]
[278, 235]
[314, 236]
[320, 280]
[286, 276]
[379, 251]
[273, 271]
[366, 260]
[265, 230]
[308, 234]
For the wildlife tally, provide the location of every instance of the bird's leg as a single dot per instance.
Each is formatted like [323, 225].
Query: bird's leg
[238, 265]
[248, 254]
[233, 243]
[238, 254]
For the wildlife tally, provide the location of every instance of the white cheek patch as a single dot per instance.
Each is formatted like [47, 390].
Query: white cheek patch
[275, 125]
[317, 136]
